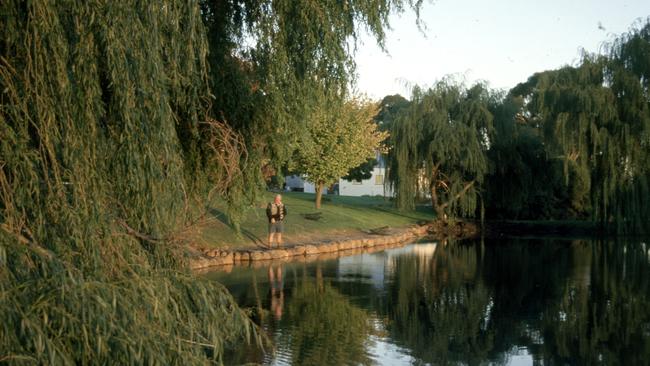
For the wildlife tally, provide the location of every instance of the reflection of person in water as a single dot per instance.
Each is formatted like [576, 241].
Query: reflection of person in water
[277, 291]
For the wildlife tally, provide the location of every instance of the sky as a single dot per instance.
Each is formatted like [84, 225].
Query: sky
[502, 42]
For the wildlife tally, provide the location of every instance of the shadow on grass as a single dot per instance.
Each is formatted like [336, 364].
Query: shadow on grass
[221, 216]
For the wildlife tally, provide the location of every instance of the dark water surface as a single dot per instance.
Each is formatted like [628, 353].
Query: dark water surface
[512, 302]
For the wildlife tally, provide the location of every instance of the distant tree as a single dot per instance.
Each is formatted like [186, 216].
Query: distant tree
[361, 172]
[439, 144]
[522, 182]
[389, 109]
[571, 106]
[595, 119]
[628, 73]
[341, 135]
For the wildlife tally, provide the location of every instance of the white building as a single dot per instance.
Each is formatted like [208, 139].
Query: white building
[374, 186]
[294, 183]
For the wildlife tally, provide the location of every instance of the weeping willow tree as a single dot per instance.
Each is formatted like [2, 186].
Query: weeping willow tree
[574, 108]
[595, 120]
[629, 74]
[439, 146]
[95, 99]
[523, 182]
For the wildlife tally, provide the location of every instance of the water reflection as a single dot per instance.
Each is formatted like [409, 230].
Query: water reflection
[438, 306]
[326, 328]
[276, 282]
[508, 302]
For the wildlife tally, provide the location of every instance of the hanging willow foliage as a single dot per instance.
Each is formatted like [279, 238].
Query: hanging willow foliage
[629, 74]
[522, 182]
[595, 120]
[100, 141]
[439, 145]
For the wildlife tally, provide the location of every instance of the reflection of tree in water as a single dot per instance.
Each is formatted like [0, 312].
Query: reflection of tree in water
[326, 328]
[524, 278]
[438, 307]
[564, 302]
[316, 324]
[603, 316]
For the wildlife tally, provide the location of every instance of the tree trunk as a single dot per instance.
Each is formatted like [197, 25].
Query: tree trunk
[438, 208]
[319, 193]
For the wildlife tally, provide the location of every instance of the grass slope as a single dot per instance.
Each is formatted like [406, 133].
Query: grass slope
[340, 215]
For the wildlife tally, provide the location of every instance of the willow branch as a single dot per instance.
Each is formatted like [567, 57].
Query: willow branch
[459, 194]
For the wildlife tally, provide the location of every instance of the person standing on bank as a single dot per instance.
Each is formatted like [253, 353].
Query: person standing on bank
[276, 212]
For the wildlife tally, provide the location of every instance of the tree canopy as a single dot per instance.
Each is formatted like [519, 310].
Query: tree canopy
[94, 99]
[438, 147]
[339, 137]
[593, 119]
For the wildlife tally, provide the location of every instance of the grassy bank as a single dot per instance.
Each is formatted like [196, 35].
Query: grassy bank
[340, 215]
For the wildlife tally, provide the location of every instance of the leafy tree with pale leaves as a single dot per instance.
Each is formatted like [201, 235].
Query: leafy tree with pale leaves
[340, 136]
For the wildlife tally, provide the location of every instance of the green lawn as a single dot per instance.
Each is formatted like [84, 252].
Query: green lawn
[340, 214]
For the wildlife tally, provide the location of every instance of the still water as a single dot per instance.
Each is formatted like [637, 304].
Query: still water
[510, 302]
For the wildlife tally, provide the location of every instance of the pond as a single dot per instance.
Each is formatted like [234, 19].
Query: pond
[510, 302]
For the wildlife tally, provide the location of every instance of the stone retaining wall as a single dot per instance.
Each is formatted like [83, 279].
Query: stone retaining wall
[217, 257]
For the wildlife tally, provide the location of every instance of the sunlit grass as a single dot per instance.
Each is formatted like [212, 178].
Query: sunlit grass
[338, 213]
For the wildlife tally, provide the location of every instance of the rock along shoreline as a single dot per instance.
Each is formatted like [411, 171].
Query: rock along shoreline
[395, 237]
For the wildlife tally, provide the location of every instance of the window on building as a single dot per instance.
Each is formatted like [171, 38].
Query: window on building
[379, 179]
